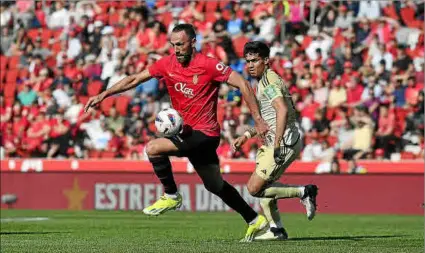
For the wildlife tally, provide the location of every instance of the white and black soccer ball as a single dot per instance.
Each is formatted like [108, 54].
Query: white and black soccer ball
[168, 122]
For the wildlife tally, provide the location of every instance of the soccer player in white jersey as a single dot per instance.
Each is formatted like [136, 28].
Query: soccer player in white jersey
[282, 144]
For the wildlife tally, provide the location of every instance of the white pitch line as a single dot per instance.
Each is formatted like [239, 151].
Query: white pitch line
[23, 219]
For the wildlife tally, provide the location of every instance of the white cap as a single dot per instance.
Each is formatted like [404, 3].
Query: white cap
[287, 65]
[98, 23]
[107, 30]
[90, 57]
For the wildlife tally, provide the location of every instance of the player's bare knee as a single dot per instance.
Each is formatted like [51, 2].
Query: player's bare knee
[254, 189]
[152, 149]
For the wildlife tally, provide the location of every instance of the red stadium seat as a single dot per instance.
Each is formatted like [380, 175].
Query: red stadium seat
[13, 62]
[33, 34]
[56, 47]
[238, 44]
[108, 154]
[211, 6]
[121, 104]
[407, 156]
[51, 61]
[23, 74]
[83, 99]
[11, 76]
[167, 18]
[94, 88]
[2, 75]
[210, 17]
[118, 32]
[223, 3]
[10, 89]
[9, 101]
[3, 62]
[56, 33]
[104, 6]
[106, 105]
[94, 154]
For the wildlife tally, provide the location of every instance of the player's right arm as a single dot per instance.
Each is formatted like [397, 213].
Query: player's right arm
[125, 84]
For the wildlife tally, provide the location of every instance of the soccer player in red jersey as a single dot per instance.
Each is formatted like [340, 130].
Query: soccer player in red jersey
[193, 81]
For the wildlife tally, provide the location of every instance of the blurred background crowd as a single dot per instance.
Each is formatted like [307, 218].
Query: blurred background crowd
[355, 70]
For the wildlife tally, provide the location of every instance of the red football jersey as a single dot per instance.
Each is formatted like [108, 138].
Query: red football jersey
[194, 89]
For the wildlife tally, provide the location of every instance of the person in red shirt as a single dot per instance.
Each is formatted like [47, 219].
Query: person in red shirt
[386, 126]
[59, 136]
[193, 80]
[354, 91]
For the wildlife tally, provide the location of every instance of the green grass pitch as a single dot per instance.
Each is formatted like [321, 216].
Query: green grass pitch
[131, 231]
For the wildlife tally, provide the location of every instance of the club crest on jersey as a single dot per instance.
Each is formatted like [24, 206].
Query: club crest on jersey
[195, 79]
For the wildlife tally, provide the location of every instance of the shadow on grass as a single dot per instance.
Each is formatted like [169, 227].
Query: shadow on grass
[30, 233]
[352, 238]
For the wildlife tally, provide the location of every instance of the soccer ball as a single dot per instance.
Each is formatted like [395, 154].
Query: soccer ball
[168, 122]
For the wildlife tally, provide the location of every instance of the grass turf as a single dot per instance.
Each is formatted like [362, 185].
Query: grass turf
[131, 231]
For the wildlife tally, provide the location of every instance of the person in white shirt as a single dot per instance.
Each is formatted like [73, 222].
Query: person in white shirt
[59, 18]
[5, 15]
[380, 55]
[74, 45]
[267, 25]
[73, 111]
[62, 98]
[322, 42]
[369, 9]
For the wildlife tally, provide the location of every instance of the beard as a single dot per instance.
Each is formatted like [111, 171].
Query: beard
[184, 58]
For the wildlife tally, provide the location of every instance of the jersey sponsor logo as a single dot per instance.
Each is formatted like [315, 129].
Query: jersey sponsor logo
[221, 67]
[181, 87]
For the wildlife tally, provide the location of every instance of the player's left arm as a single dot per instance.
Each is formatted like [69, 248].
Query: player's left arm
[274, 95]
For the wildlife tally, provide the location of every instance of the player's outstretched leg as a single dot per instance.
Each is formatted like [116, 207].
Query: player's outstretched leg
[309, 200]
[213, 181]
[276, 230]
[171, 199]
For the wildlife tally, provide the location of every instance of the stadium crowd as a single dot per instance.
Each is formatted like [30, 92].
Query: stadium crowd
[356, 73]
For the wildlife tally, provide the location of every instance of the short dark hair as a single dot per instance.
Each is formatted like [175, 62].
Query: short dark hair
[187, 28]
[257, 47]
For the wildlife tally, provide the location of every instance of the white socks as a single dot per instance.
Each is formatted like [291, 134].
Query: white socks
[301, 188]
[276, 225]
[173, 196]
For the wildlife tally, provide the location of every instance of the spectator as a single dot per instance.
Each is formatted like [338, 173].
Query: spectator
[362, 139]
[369, 10]
[27, 96]
[234, 25]
[59, 18]
[337, 95]
[344, 19]
[59, 136]
[115, 122]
